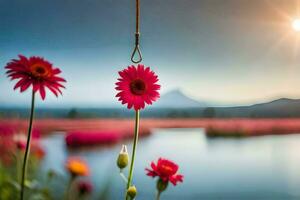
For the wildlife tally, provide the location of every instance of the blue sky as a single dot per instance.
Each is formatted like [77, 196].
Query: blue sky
[231, 51]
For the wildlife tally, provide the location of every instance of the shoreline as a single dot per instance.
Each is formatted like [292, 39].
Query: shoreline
[234, 127]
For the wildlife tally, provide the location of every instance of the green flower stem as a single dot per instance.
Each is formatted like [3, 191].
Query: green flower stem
[27, 150]
[18, 165]
[68, 194]
[136, 136]
[158, 195]
[83, 197]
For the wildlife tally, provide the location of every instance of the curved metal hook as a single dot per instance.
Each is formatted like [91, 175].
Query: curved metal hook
[136, 50]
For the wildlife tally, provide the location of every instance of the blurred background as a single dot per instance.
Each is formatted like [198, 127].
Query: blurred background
[229, 112]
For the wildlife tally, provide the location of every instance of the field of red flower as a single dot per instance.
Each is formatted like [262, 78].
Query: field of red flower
[76, 139]
[124, 127]
[252, 127]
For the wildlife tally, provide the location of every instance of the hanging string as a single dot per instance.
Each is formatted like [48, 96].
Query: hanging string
[137, 51]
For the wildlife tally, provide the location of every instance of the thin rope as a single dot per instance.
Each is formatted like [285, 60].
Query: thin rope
[137, 11]
[137, 36]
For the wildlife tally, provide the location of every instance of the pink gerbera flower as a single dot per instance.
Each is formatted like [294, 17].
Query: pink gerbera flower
[37, 72]
[137, 86]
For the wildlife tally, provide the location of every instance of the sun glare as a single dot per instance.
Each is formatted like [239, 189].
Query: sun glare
[296, 24]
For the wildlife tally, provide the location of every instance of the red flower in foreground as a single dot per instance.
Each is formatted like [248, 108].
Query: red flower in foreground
[166, 170]
[137, 86]
[37, 72]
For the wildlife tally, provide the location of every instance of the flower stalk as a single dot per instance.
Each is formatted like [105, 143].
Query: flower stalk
[69, 188]
[135, 141]
[161, 186]
[27, 150]
[158, 195]
[123, 177]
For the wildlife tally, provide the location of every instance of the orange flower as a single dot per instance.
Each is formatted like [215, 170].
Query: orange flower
[77, 167]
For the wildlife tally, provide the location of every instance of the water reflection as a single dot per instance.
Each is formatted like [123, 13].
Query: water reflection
[249, 168]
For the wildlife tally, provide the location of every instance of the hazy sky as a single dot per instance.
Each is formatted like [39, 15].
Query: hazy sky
[232, 51]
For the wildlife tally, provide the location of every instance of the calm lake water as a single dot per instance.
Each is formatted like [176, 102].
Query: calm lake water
[254, 168]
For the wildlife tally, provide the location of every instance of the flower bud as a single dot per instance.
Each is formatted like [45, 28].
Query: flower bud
[161, 185]
[123, 158]
[132, 192]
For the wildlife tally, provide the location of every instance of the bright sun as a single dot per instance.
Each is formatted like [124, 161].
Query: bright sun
[296, 24]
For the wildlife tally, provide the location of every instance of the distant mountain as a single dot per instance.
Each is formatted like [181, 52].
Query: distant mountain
[280, 103]
[177, 99]
[280, 107]
[283, 107]
[174, 104]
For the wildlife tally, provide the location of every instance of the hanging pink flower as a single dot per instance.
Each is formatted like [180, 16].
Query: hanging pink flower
[137, 86]
[37, 72]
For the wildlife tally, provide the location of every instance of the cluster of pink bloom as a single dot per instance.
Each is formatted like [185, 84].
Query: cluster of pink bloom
[250, 127]
[137, 87]
[14, 139]
[86, 138]
[48, 126]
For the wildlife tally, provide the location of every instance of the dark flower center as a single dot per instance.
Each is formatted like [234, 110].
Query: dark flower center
[138, 87]
[39, 70]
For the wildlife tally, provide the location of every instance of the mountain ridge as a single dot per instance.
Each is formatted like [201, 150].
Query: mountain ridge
[178, 99]
[171, 104]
